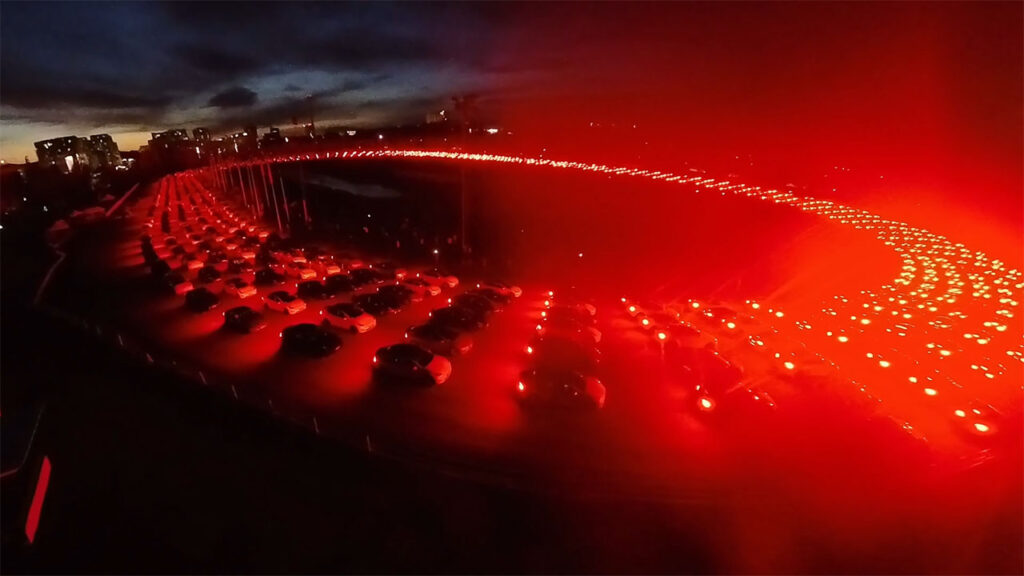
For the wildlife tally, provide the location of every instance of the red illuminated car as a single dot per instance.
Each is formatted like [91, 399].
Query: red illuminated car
[560, 388]
[281, 301]
[410, 363]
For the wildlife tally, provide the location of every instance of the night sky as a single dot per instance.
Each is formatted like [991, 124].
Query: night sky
[877, 82]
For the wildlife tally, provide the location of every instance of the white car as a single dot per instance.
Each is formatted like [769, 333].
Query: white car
[325, 266]
[347, 316]
[502, 288]
[281, 301]
[299, 271]
[421, 288]
[239, 287]
[437, 278]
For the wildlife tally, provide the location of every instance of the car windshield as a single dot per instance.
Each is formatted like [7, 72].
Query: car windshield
[410, 352]
[433, 331]
[345, 309]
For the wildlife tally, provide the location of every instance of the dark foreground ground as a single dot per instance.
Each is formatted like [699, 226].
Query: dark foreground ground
[152, 473]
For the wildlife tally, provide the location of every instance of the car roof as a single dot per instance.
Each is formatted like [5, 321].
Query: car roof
[406, 349]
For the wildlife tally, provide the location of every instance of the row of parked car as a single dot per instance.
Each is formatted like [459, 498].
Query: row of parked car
[207, 251]
[564, 356]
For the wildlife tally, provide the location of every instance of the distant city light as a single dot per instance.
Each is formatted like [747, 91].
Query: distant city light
[492, 130]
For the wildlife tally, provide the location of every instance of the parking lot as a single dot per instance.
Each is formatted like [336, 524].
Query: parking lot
[651, 440]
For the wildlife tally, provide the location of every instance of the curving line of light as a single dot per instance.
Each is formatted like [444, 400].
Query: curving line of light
[949, 321]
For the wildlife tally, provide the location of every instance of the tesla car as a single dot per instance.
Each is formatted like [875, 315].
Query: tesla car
[201, 300]
[561, 388]
[506, 289]
[210, 276]
[396, 295]
[313, 290]
[347, 316]
[563, 325]
[243, 320]
[365, 276]
[390, 271]
[438, 278]
[475, 303]
[376, 304]
[569, 314]
[562, 353]
[242, 268]
[325, 265]
[421, 288]
[309, 340]
[460, 318]
[299, 271]
[338, 283]
[239, 287]
[412, 364]
[267, 277]
[281, 301]
[176, 282]
[439, 339]
[496, 296]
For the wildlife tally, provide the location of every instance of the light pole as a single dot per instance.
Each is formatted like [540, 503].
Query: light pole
[465, 106]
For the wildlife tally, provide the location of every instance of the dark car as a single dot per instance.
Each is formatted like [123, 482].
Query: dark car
[410, 363]
[364, 276]
[309, 340]
[566, 354]
[313, 290]
[375, 304]
[267, 277]
[243, 320]
[710, 373]
[208, 274]
[474, 302]
[460, 318]
[563, 313]
[159, 268]
[492, 295]
[338, 284]
[561, 388]
[439, 339]
[241, 266]
[176, 283]
[201, 300]
[396, 294]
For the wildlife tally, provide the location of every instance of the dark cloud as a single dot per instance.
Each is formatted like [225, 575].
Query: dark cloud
[236, 97]
[206, 58]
